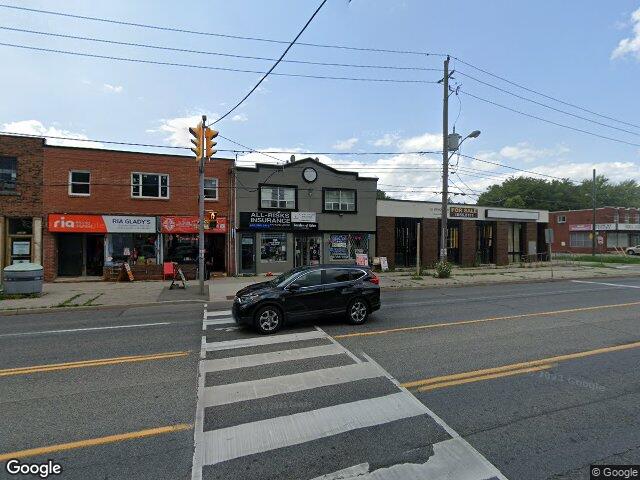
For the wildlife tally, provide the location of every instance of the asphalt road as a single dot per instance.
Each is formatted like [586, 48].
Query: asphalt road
[540, 379]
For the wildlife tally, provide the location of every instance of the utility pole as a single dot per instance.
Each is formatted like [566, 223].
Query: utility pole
[593, 198]
[445, 161]
[418, 269]
[201, 210]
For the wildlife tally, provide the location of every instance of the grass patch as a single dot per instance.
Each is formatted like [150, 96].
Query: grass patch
[18, 296]
[92, 299]
[67, 302]
[601, 258]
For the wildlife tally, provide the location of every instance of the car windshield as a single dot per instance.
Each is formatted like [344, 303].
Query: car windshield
[284, 277]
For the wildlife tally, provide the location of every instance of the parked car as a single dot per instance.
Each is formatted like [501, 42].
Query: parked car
[633, 250]
[308, 292]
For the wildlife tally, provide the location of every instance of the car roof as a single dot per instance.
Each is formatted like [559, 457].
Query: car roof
[331, 265]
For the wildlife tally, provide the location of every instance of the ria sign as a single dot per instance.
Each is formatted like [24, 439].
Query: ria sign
[101, 223]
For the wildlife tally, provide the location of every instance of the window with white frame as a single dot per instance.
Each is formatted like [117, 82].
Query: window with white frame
[561, 219]
[279, 197]
[80, 182]
[211, 189]
[149, 185]
[339, 200]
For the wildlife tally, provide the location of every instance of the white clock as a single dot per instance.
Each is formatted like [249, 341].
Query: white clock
[309, 174]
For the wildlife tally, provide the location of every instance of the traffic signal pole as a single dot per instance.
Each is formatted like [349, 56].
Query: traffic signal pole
[201, 211]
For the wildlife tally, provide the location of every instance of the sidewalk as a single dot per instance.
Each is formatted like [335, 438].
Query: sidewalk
[90, 294]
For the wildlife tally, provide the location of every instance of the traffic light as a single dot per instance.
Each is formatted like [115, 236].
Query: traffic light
[209, 135]
[198, 140]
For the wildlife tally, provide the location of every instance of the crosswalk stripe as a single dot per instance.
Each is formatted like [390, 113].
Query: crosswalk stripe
[257, 341]
[266, 387]
[243, 361]
[220, 321]
[219, 313]
[264, 435]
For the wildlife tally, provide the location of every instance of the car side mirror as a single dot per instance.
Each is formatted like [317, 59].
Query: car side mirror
[294, 287]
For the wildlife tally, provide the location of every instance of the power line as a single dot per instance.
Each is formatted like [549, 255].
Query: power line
[510, 167]
[220, 35]
[209, 67]
[220, 54]
[587, 132]
[266, 74]
[545, 105]
[530, 90]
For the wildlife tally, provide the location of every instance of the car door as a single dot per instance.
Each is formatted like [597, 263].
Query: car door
[340, 288]
[304, 296]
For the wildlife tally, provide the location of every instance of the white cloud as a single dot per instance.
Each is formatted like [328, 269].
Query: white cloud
[35, 127]
[112, 88]
[347, 144]
[630, 45]
[386, 140]
[239, 117]
[427, 141]
[176, 130]
[525, 152]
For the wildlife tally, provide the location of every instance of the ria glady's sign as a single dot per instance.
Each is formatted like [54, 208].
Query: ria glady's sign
[101, 223]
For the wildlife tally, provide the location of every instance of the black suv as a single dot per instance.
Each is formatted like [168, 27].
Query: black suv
[307, 292]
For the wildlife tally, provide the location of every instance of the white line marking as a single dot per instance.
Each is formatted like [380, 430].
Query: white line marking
[439, 421]
[243, 361]
[257, 341]
[223, 321]
[196, 469]
[333, 340]
[608, 284]
[72, 330]
[219, 313]
[267, 387]
[264, 435]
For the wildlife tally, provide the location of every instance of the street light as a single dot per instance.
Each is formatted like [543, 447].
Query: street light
[453, 143]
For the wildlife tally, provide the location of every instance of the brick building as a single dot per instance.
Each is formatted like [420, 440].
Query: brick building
[92, 210]
[21, 213]
[477, 235]
[616, 228]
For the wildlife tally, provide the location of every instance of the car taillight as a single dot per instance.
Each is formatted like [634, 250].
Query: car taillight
[374, 279]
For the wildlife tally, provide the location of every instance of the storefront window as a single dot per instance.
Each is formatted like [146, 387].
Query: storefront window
[8, 173]
[133, 247]
[345, 246]
[181, 248]
[273, 247]
[514, 242]
[20, 226]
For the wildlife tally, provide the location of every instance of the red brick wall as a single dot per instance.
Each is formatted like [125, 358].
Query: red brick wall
[561, 231]
[111, 190]
[501, 245]
[429, 241]
[386, 239]
[26, 201]
[467, 243]
[111, 182]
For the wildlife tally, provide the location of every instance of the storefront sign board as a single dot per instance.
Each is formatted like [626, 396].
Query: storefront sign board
[463, 212]
[189, 224]
[101, 223]
[277, 220]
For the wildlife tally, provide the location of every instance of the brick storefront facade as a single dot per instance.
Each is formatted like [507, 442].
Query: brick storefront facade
[22, 201]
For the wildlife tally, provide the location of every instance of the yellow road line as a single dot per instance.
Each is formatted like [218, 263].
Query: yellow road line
[92, 442]
[483, 320]
[90, 363]
[484, 377]
[518, 366]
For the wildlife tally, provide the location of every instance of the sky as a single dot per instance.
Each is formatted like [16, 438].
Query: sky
[582, 52]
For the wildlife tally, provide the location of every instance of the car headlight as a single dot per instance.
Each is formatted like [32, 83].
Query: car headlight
[247, 298]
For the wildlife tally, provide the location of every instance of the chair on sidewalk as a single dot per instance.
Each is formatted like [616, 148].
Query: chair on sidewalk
[168, 268]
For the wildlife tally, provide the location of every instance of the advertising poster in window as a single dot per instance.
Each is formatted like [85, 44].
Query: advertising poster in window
[339, 247]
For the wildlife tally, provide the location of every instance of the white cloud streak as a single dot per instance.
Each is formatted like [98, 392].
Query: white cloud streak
[630, 45]
[345, 145]
[36, 127]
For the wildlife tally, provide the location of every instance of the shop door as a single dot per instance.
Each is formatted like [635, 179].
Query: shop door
[484, 248]
[95, 254]
[307, 251]
[453, 243]
[406, 234]
[247, 253]
[70, 255]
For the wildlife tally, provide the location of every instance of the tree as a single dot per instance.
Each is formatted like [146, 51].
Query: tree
[382, 195]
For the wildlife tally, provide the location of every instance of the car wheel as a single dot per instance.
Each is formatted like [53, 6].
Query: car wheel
[357, 312]
[268, 319]
[631, 252]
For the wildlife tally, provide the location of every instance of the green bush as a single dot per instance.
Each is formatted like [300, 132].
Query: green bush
[443, 269]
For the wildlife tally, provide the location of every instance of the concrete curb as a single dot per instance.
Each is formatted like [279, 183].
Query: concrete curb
[25, 311]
